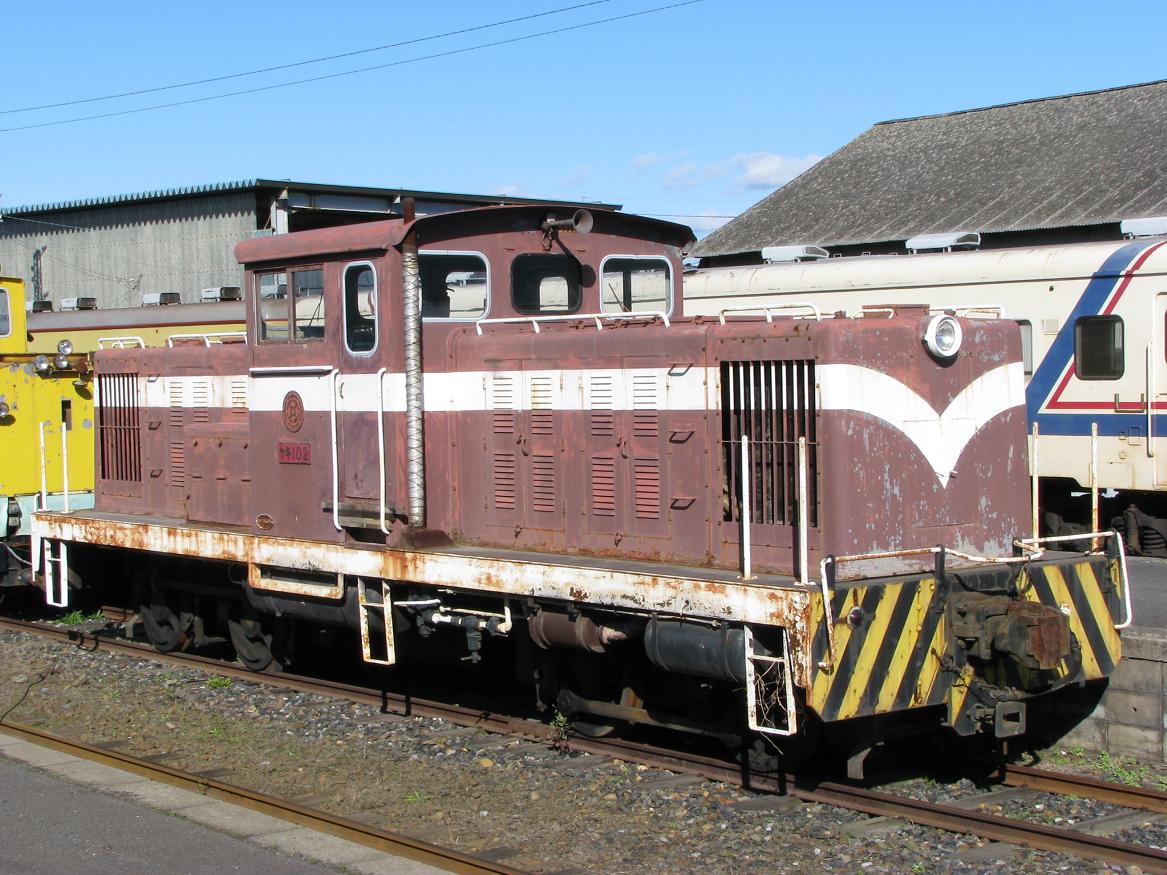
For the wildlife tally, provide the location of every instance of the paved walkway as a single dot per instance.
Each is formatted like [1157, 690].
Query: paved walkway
[59, 814]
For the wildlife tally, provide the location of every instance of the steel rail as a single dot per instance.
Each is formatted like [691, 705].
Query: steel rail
[939, 816]
[1087, 788]
[286, 810]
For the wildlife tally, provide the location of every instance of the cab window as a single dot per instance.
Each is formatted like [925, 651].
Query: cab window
[289, 305]
[5, 314]
[454, 285]
[1098, 348]
[360, 308]
[633, 285]
[1026, 345]
[545, 284]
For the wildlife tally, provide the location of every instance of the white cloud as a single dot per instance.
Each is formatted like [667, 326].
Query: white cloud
[687, 175]
[769, 170]
[577, 177]
[652, 159]
[707, 222]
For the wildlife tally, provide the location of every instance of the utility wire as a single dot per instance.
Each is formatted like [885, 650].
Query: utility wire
[446, 54]
[8, 217]
[304, 63]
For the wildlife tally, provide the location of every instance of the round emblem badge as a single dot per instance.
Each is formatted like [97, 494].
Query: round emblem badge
[293, 411]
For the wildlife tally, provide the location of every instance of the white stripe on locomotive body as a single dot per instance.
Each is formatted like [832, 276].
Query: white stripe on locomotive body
[1050, 287]
[940, 436]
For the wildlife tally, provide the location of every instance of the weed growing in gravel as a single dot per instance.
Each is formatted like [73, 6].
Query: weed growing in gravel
[219, 733]
[76, 618]
[918, 868]
[113, 694]
[1123, 769]
[417, 797]
[563, 728]
[218, 682]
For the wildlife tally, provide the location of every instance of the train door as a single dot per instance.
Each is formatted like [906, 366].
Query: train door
[1156, 374]
[363, 392]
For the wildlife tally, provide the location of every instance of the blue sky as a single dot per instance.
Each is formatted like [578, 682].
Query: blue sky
[694, 112]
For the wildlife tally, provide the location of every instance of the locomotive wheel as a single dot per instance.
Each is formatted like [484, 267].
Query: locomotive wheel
[257, 643]
[165, 628]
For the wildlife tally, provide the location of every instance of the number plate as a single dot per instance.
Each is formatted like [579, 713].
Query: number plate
[294, 454]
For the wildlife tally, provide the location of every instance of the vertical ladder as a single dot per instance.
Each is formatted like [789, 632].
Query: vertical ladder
[770, 704]
[385, 606]
[56, 572]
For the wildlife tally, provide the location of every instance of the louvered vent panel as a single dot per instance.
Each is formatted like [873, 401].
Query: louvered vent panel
[200, 397]
[174, 389]
[604, 485]
[177, 464]
[504, 481]
[542, 401]
[771, 403]
[503, 394]
[238, 393]
[646, 474]
[119, 432]
[543, 483]
[645, 405]
[601, 404]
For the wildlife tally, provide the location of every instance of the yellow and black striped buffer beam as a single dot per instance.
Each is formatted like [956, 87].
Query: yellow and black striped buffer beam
[889, 643]
[1086, 591]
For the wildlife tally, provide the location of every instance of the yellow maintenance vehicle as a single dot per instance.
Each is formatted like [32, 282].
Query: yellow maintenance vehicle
[47, 423]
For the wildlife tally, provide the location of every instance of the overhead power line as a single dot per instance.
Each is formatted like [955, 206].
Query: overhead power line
[304, 63]
[446, 54]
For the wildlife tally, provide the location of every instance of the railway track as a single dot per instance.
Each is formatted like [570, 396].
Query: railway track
[363, 834]
[963, 818]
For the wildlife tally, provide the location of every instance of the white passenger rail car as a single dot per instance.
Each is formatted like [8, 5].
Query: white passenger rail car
[1093, 319]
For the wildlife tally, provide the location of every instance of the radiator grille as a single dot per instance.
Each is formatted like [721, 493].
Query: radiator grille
[504, 481]
[646, 477]
[772, 403]
[118, 427]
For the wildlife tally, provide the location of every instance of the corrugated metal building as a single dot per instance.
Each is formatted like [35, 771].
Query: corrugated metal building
[1058, 169]
[116, 249]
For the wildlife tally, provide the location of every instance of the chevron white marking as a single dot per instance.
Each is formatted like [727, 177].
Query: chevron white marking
[940, 437]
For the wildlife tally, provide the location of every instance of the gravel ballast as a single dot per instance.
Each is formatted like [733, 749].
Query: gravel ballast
[530, 806]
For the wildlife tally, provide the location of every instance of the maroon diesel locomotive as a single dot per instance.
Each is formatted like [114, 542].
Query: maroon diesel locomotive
[499, 423]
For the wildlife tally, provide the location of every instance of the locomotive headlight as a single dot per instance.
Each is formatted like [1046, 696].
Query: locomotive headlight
[4, 409]
[41, 364]
[943, 336]
[65, 347]
[61, 362]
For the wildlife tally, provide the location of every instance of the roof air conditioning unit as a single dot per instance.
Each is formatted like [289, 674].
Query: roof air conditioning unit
[800, 252]
[1151, 226]
[221, 293]
[42, 306]
[78, 303]
[943, 242]
[157, 299]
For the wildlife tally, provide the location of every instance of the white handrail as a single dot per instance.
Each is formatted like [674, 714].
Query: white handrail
[121, 342]
[747, 498]
[597, 318]
[381, 442]
[1094, 536]
[333, 380]
[767, 308]
[284, 370]
[206, 338]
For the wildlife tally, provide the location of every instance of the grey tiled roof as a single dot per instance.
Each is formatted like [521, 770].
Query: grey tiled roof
[1079, 159]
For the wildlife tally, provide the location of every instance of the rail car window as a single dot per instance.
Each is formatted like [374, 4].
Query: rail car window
[545, 284]
[281, 317]
[454, 285]
[632, 285]
[5, 314]
[360, 307]
[1026, 345]
[1098, 348]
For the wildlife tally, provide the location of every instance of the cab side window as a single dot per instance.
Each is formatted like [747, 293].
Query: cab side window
[5, 314]
[1098, 348]
[545, 284]
[289, 305]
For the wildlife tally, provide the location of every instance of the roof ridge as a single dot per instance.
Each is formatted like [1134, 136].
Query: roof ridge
[916, 118]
